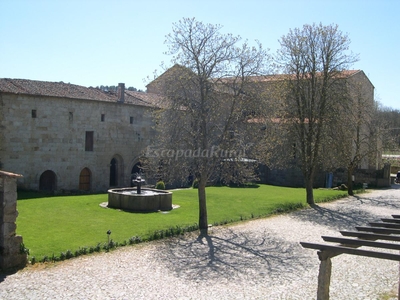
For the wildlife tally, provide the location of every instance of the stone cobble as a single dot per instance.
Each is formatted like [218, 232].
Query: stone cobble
[259, 259]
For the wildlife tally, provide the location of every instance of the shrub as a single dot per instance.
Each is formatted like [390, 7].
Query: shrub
[160, 185]
[98, 247]
[69, 254]
[134, 240]
[23, 249]
[195, 184]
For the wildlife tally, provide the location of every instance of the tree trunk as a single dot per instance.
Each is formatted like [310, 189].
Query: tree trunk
[309, 191]
[350, 182]
[203, 222]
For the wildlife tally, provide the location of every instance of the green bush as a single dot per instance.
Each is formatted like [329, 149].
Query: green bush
[160, 185]
[195, 184]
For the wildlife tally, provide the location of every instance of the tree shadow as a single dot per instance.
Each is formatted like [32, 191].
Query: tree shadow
[358, 211]
[9, 272]
[235, 256]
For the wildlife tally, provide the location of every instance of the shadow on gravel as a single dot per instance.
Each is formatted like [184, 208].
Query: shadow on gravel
[236, 256]
[4, 274]
[356, 211]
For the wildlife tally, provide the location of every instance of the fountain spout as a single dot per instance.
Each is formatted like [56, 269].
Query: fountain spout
[139, 185]
[138, 181]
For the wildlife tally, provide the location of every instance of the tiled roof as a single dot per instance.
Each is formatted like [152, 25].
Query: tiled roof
[279, 77]
[72, 91]
[145, 99]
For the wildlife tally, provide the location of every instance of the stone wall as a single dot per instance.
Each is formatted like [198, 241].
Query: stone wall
[46, 133]
[373, 178]
[10, 255]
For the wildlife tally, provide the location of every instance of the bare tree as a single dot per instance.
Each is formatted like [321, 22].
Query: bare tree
[390, 133]
[209, 98]
[313, 57]
[354, 132]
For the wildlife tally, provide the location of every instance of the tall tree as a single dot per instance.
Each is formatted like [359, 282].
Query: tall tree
[354, 132]
[313, 58]
[209, 97]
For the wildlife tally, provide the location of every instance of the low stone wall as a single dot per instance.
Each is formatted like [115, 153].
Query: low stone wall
[374, 178]
[162, 200]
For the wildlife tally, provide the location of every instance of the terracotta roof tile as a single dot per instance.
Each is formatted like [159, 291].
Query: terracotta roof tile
[141, 98]
[72, 91]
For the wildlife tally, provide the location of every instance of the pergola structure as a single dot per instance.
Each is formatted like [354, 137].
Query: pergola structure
[386, 230]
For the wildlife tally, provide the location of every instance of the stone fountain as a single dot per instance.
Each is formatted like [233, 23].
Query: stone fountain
[139, 199]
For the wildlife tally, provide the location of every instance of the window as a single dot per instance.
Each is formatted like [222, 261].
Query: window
[103, 117]
[33, 113]
[71, 115]
[89, 141]
[131, 120]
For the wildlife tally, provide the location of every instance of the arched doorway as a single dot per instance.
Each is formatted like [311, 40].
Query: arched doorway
[117, 171]
[113, 172]
[48, 181]
[84, 179]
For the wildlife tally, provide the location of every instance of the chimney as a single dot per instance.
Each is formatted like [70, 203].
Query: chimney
[121, 92]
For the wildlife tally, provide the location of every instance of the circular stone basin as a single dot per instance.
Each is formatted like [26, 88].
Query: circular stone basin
[148, 200]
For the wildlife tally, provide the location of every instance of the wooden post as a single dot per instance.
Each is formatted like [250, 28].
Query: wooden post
[324, 276]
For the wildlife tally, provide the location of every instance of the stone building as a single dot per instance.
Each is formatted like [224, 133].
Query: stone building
[61, 136]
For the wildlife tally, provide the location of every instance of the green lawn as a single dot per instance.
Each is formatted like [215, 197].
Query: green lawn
[51, 225]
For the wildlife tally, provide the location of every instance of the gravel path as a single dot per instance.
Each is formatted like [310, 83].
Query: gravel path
[260, 259]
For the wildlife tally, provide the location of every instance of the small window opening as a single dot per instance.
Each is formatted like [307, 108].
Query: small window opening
[33, 113]
[131, 120]
[70, 115]
[89, 141]
[103, 117]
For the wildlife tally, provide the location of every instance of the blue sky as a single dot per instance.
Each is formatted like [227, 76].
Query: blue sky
[90, 43]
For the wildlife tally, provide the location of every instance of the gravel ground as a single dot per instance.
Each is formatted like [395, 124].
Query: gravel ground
[260, 259]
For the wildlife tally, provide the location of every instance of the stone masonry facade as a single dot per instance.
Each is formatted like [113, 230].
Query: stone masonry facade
[52, 140]
[65, 137]
[11, 255]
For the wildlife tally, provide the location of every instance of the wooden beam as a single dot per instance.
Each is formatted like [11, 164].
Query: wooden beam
[396, 216]
[351, 251]
[378, 230]
[391, 220]
[385, 225]
[371, 236]
[359, 242]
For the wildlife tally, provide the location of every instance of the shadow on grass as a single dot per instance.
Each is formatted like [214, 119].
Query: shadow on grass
[30, 195]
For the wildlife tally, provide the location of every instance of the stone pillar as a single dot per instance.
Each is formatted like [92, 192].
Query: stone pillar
[10, 243]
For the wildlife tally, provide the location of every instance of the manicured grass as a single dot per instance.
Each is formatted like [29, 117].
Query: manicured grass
[51, 225]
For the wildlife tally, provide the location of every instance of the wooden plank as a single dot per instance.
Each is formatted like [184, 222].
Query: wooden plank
[360, 242]
[351, 251]
[385, 225]
[391, 220]
[378, 230]
[371, 236]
